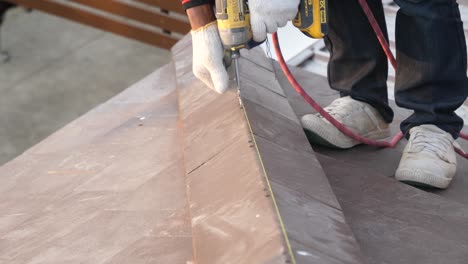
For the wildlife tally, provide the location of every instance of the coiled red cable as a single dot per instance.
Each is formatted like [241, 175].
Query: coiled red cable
[386, 47]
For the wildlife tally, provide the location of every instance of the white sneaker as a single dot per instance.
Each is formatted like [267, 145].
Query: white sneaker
[429, 158]
[358, 116]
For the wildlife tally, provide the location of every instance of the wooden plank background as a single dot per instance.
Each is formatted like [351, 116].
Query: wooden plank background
[158, 23]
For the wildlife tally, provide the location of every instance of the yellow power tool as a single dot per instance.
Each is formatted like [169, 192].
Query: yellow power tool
[234, 28]
[312, 18]
[233, 17]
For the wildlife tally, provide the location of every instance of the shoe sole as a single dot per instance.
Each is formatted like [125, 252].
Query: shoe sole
[316, 139]
[419, 185]
[421, 179]
[324, 138]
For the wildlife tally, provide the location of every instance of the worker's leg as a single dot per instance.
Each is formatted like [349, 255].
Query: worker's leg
[358, 66]
[358, 69]
[431, 54]
[431, 80]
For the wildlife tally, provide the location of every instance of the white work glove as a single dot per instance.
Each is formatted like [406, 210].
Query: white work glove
[208, 55]
[266, 16]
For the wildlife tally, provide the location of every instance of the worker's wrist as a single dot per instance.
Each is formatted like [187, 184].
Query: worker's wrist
[200, 16]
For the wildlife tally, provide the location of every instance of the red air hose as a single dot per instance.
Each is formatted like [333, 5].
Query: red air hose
[322, 111]
[386, 47]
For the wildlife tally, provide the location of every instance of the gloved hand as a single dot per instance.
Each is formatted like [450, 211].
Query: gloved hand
[208, 55]
[267, 15]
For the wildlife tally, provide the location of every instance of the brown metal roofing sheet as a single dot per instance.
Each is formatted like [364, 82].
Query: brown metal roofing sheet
[157, 168]
[233, 220]
[396, 223]
[393, 222]
[312, 218]
[109, 187]
[272, 175]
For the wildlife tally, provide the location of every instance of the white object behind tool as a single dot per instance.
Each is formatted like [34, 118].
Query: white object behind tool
[293, 43]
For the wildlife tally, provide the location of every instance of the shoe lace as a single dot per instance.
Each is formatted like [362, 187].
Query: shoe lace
[437, 144]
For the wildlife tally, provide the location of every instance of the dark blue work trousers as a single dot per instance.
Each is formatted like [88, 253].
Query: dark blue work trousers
[431, 76]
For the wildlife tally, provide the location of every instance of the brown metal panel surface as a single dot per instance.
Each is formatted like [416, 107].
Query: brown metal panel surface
[299, 186]
[101, 22]
[233, 219]
[208, 121]
[258, 57]
[274, 102]
[151, 18]
[171, 5]
[276, 128]
[297, 161]
[396, 223]
[155, 250]
[259, 75]
[107, 188]
[226, 167]
[313, 219]
[393, 222]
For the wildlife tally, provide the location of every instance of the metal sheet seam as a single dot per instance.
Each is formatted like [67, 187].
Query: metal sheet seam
[280, 219]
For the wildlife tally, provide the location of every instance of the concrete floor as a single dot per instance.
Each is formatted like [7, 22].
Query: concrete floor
[58, 71]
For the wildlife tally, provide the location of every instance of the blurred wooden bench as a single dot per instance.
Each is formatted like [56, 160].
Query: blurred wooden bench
[156, 22]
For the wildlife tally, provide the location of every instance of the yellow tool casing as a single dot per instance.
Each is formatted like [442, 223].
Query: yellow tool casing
[312, 18]
[233, 23]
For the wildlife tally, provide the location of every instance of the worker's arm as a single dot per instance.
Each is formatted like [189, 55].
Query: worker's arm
[208, 51]
[200, 16]
[187, 4]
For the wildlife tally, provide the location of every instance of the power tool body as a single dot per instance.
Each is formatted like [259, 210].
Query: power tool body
[234, 29]
[312, 18]
[233, 19]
